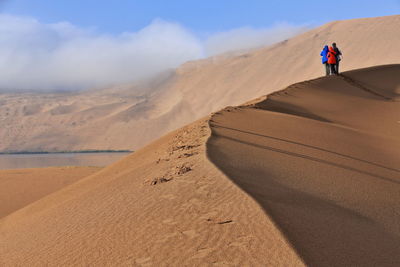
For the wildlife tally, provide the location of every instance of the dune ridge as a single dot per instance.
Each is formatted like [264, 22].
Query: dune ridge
[130, 116]
[322, 158]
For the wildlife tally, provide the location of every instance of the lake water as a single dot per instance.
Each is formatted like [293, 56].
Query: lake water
[20, 161]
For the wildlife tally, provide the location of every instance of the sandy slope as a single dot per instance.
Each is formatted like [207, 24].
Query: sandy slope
[126, 118]
[21, 187]
[323, 160]
[164, 205]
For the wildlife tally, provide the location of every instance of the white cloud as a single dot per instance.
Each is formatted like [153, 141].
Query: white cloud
[38, 56]
[61, 56]
[246, 38]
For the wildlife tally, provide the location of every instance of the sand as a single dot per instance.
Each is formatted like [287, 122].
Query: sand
[21, 187]
[322, 158]
[164, 205]
[130, 116]
[305, 176]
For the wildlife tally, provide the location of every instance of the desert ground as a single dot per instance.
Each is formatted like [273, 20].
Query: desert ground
[308, 175]
[165, 204]
[21, 187]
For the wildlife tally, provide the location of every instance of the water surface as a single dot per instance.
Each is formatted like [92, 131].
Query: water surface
[19, 161]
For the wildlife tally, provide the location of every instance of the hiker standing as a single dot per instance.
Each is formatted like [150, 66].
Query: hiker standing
[332, 60]
[338, 57]
[324, 55]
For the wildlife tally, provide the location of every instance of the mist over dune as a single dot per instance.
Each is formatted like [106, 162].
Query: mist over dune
[39, 56]
[62, 56]
[246, 38]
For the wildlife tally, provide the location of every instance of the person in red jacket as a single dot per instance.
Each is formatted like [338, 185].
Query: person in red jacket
[332, 60]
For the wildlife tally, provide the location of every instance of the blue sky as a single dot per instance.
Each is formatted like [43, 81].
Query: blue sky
[201, 16]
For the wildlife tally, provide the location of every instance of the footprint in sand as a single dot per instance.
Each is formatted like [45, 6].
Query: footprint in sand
[201, 253]
[196, 201]
[169, 222]
[243, 241]
[186, 181]
[190, 234]
[222, 263]
[192, 203]
[168, 196]
[144, 261]
[167, 237]
[203, 190]
[209, 216]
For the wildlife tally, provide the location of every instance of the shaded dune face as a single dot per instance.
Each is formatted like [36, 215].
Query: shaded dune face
[322, 158]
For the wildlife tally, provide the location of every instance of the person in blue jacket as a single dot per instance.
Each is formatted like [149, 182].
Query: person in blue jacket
[324, 55]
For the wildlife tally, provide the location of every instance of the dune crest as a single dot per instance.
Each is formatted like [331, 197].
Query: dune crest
[322, 158]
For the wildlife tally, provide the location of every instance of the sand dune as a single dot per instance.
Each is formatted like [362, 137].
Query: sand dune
[322, 158]
[164, 205]
[307, 176]
[129, 116]
[21, 187]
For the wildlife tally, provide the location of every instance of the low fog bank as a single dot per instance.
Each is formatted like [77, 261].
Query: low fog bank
[62, 56]
[247, 38]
